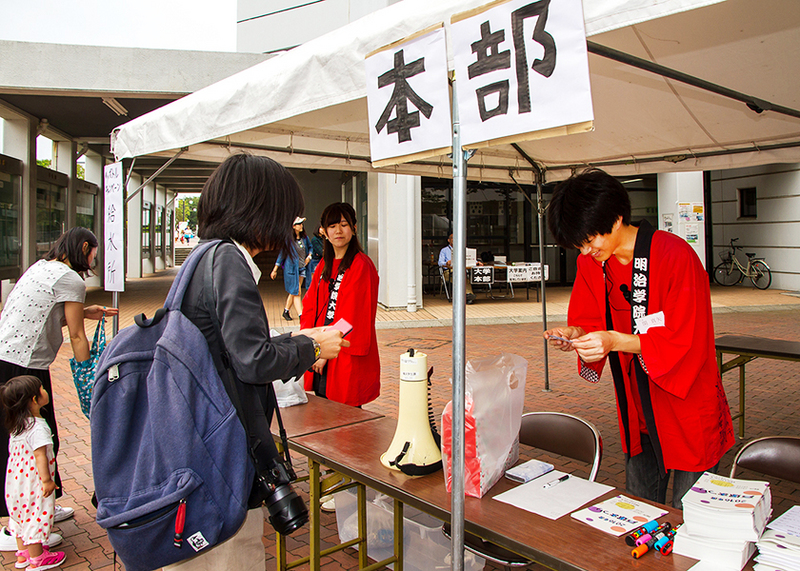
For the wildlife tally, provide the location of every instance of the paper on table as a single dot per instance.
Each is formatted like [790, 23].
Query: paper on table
[555, 501]
[789, 522]
[619, 514]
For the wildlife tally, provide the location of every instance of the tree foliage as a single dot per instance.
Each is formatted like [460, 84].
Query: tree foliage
[186, 210]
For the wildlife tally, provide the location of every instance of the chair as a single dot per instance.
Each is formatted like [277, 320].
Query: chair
[443, 283]
[776, 456]
[554, 432]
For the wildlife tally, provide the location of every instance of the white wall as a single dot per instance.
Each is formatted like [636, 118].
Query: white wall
[775, 233]
[273, 25]
[399, 235]
[683, 187]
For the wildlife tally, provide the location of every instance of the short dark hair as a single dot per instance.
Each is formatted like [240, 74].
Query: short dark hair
[333, 214]
[252, 200]
[16, 394]
[69, 248]
[587, 205]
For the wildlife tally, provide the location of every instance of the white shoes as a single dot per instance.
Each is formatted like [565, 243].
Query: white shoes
[327, 503]
[9, 543]
[62, 513]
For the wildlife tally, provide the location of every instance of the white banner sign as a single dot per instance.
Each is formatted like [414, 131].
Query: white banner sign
[408, 100]
[113, 228]
[521, 67]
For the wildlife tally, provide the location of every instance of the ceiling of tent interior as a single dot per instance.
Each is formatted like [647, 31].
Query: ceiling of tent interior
[644, 123]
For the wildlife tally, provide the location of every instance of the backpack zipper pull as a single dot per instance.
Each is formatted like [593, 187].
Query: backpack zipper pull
[180, 520]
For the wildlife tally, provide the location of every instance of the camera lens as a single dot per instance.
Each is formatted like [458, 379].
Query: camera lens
[287, 511]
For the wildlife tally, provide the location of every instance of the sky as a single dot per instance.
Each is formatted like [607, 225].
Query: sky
[208, 25]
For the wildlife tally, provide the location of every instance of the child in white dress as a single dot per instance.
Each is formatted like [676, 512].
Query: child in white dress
[29, 475]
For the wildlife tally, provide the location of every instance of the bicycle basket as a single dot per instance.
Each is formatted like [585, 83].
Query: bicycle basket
[726, 256]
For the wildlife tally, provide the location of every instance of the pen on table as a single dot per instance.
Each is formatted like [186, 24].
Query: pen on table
[552, 483]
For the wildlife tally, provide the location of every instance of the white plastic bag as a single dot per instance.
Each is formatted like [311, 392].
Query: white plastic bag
[495, 396]
[290, 393]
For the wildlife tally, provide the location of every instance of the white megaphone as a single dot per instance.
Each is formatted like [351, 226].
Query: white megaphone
[413, 450]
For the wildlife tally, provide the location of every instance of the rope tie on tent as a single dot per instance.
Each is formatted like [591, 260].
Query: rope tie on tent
[756, 146]
[441, 165]
[480, 171]
[291, 142]
[395, 174]
[347, 151]
[228, 141]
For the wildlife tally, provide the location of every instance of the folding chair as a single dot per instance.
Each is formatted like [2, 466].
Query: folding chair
[443, 283]
[775, 456]
[554, 432]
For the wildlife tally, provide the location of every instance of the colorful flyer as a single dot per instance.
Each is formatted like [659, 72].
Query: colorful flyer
[618, 515]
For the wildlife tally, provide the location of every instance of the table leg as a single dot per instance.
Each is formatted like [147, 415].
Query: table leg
[741, 401]
[314, 516]
[398, 535]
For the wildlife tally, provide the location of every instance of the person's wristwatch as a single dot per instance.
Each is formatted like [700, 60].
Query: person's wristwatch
[317, 348]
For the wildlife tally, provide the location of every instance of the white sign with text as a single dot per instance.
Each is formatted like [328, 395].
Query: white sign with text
[522, 71]
[408, 99]
[113, 228]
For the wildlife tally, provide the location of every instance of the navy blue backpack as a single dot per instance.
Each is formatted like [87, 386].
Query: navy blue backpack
[172, 469]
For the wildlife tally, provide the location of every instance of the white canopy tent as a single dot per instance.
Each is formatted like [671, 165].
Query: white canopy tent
[307, 108]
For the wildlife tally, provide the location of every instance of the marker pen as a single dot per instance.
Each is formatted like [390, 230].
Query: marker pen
[631, 538]
[643, 548]
[646, 537]
[552, 483]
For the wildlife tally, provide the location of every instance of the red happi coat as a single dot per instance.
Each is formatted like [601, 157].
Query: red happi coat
[354, 377]
[691, 412]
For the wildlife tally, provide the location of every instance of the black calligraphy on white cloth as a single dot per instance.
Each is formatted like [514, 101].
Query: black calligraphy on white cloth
[402, 94]
[489, 58]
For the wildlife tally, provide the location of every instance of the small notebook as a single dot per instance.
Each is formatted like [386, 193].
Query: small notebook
[527, 471]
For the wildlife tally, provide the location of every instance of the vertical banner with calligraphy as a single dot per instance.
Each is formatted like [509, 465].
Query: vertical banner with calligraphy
[408, 99]
[113, 227]
[522, 71]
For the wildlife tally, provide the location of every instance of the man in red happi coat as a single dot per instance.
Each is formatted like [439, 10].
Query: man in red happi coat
[641, 301]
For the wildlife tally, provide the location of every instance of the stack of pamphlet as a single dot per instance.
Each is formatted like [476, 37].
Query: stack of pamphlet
[779, 546]
[723, 518]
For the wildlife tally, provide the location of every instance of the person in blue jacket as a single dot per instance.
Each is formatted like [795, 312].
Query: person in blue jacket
[294, 269]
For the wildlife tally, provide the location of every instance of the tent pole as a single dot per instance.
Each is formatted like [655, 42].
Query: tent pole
[540, 214]
[459, 278]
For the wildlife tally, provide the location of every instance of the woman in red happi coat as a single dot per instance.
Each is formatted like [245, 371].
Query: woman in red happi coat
[344, 286]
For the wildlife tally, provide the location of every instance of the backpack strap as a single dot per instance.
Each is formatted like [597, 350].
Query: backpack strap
[184, 277]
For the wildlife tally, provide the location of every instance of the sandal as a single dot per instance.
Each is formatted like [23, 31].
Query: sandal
[24, 554]
[47, 560]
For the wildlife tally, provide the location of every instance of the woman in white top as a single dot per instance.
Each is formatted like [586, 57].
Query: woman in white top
[49, 295]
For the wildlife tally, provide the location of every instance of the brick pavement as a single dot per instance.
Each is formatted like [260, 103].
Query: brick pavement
[772, 407]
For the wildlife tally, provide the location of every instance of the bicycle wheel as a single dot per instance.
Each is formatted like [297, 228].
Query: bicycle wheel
[760, 274]
[727, 274]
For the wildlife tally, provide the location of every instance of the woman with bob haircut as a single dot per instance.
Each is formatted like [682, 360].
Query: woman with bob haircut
[49, 295]
[248, 202]
[344, 286]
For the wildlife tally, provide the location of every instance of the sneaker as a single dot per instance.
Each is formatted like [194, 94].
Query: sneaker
[328, 504]
[62, 513]
[286, 315]
[47, 560]
[9, 543]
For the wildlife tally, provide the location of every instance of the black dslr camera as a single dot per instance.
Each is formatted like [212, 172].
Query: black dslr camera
[287, 511]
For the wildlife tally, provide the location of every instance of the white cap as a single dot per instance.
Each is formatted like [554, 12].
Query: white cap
[298, 220]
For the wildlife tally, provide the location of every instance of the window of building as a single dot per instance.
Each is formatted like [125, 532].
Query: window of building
[147, 220]
[747, 203]
[170, 232]
[50, 216]
[159, 231]
[10, 189]
[85, 210]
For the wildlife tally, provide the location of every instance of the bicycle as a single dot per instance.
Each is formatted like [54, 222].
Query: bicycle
[731, 271]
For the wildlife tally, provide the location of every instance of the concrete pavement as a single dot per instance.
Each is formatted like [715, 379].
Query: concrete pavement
[494, 326]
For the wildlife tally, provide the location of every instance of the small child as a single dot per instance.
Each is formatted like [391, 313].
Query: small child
[31, 466]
